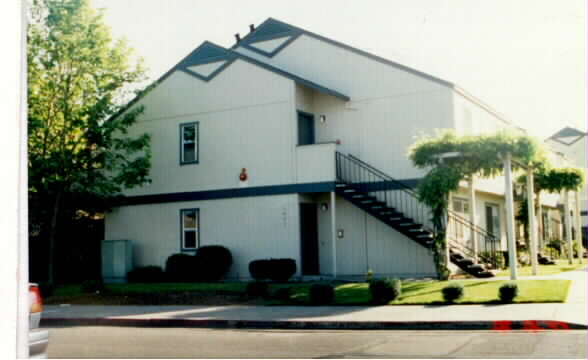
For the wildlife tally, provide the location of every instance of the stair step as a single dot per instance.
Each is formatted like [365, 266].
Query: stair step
[485, 274]
[465, 262]
[426, 235]
[476, 268]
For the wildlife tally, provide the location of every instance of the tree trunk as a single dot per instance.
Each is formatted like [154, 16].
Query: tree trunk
[52, 233]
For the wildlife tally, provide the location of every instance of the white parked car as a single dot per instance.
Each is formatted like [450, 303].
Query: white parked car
[38, 339]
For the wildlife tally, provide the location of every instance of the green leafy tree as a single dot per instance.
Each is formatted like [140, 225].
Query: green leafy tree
[80, 154]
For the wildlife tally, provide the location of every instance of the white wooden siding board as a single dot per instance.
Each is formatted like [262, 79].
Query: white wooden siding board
[356, 75]
[228, 141]
[251, 228]
[316, 163]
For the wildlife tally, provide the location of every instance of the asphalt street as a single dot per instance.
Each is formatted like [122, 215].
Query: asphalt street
[129, 342]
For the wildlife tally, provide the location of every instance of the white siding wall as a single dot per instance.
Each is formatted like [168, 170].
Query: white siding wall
[389, 107]
[471, 118]
[251, 228]
[368, 243]
[246, 119]
[315, 163]
[481, 200]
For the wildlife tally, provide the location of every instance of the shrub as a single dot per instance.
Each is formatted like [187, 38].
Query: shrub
[92, 286]
[146, 274]
[259, 269]
[257, 288]
[180, 268]
[212, 262]
[384, 290]
[283, 293]
[322, 294]
[280, 270]
[507, 292]
[452, 292]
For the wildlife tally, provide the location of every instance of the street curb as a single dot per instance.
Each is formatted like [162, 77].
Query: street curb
[500, 325]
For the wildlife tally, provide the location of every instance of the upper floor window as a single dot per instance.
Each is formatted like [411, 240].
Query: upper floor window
[189, 143]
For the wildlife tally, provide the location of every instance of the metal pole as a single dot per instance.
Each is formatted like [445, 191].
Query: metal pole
[334, 233]
[473, 218]
[510, 229]
[532, 225]
[578, 228]
[568, 220]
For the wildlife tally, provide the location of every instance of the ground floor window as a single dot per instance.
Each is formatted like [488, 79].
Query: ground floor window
[190, 224]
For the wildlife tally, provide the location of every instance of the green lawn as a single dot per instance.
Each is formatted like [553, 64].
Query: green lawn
[422, 292]
[560, 266]
[429, 292]
[126, 289]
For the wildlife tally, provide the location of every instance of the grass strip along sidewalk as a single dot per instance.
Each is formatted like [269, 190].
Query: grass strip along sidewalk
[226, 293]
[560, 266]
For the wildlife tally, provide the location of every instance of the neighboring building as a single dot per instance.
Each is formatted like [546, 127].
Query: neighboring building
[571, 144]
[251, 143]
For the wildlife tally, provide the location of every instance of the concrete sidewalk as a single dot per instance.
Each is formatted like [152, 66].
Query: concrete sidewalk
[571, 314]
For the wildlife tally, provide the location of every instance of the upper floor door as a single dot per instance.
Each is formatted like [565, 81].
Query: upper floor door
[305, 128]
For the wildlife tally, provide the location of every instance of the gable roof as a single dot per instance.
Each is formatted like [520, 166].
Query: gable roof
[567, 136]
[209, 53]
[273, 29]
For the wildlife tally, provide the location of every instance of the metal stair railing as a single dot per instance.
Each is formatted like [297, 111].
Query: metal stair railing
[395, 194]
[457, 232]
[383, 188]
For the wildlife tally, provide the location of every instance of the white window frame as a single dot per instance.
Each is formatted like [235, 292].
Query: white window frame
[183, 142]
[195, 229]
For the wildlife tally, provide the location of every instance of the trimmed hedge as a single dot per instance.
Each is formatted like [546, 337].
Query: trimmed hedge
[385, 290]
[278, 270]
[507, 292]
[180, 268]
[322, 294]
[259, 269]
[146, 274]
[452, 292]
[212, 262]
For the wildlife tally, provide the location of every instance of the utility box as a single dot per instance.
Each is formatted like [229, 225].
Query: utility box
[117, 260]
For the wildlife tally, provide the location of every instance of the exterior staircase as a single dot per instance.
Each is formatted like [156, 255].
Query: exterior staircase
[396, 204]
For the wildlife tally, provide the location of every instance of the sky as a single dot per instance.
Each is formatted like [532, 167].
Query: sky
[524, 58]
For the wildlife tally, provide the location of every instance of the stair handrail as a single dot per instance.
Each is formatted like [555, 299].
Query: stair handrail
[412, 192]
[388, 177]
[410, 206]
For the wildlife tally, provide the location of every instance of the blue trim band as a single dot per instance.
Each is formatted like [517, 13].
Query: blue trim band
[326, 186]
[317, 187]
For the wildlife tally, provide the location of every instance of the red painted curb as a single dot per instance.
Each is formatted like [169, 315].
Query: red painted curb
[501, 325]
